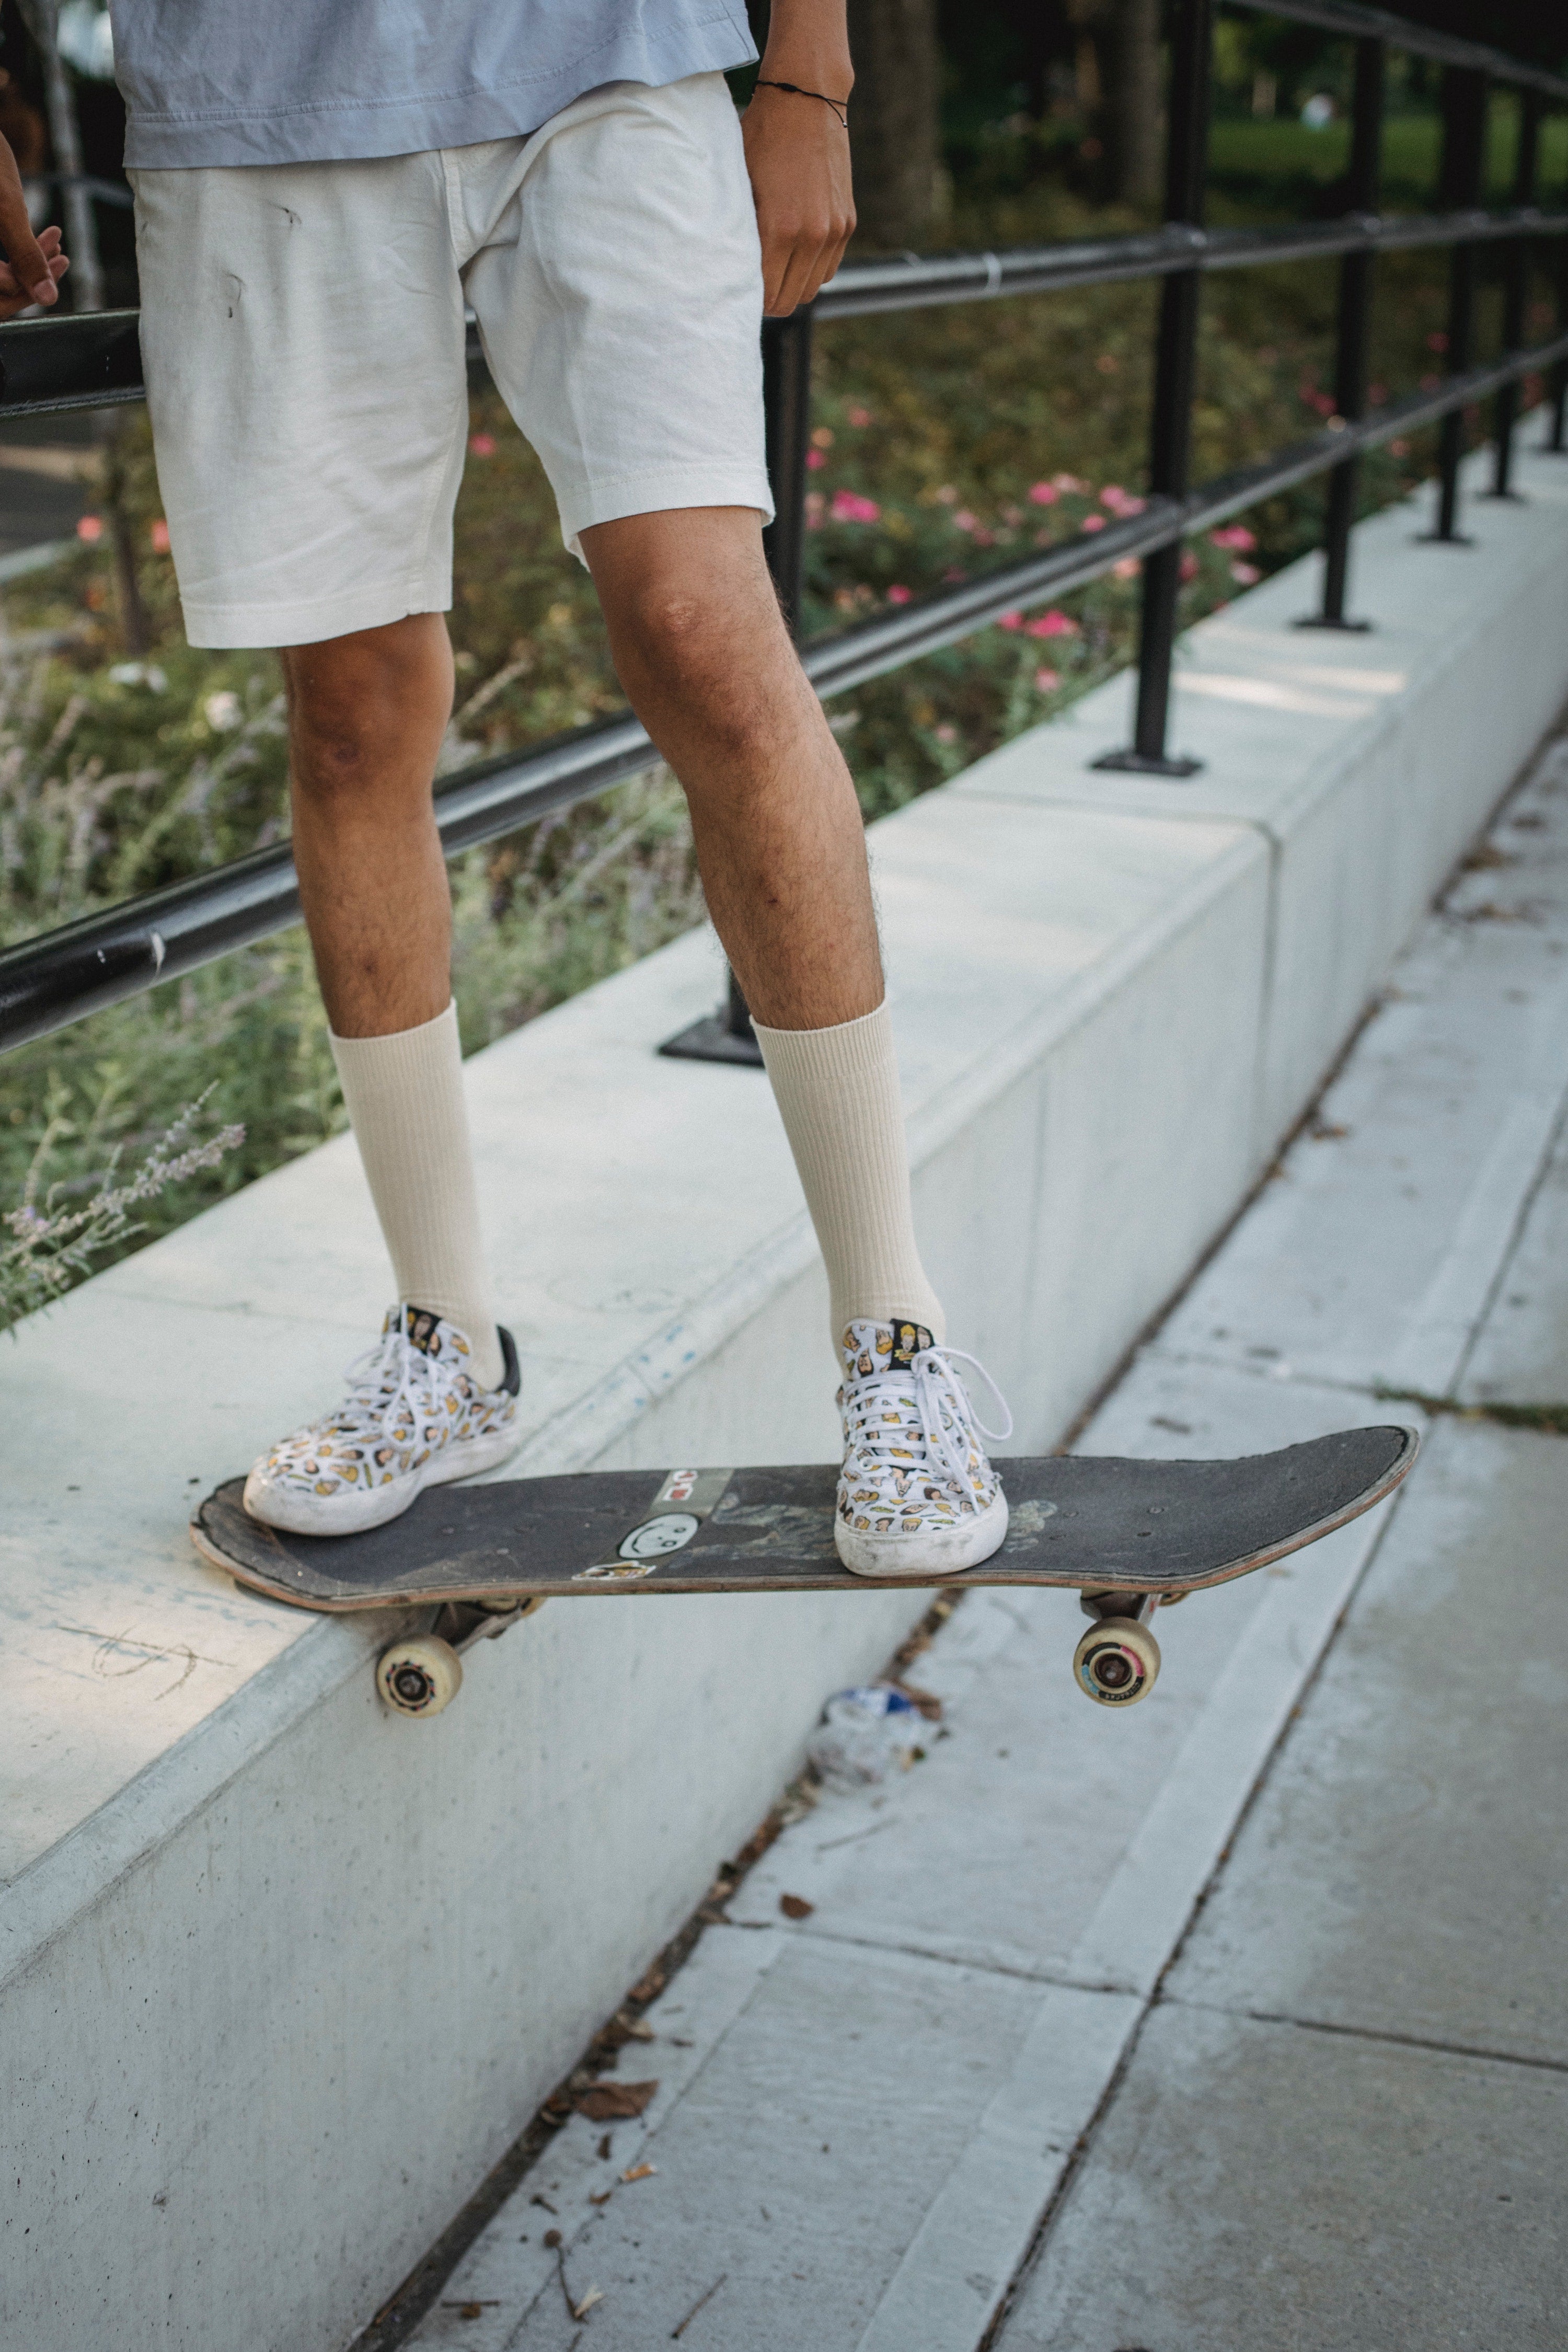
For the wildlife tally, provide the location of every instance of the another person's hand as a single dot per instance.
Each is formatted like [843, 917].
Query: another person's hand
[798, 152]
[33, 266]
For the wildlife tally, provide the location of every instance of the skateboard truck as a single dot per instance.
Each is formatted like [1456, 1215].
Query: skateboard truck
[423, 1672]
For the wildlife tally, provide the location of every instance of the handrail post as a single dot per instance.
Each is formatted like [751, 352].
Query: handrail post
[1464, 158]
[786, 404]
[1555, 444]
[1351, 336]
[1170, 439]
[728, 1035]
[1516, 290]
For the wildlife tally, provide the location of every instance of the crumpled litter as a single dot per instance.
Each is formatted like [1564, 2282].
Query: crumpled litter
[866, 1734]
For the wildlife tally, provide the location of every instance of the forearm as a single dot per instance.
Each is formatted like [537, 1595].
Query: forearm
[808, 43]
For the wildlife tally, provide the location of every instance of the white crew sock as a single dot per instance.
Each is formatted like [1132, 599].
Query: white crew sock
[837, 1092]
[405, 1098]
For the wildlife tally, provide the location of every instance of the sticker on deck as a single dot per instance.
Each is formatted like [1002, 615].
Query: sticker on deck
[666, 1530]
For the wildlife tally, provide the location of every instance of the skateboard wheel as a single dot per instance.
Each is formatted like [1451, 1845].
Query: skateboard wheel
[419, 1676]
[1117, 1662]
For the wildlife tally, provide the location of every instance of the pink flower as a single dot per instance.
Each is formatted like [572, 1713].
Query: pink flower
[1046, 681]
[1189, 566]
[1121, 501]
[1126, 570]
[1009, 620]
[91, 528]
[1044, 494]
[815, 461]
[159, 536]
[946, 734]
[1437, 341]
[858, 416]
[963, 519]
[848, 506]
[984, 537]
[947, 495]
[1399, 448]
[1069, 482]
[1235, 536]
[954, 572]
[1247, 574]
[482, 444]
[1054, 623]
[896, 595]
[1093, 522]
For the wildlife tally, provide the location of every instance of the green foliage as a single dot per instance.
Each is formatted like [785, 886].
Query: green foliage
[51, 1244]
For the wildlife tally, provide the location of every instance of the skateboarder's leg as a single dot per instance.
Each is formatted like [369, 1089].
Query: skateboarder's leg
[702, 652]
[704, 656]
[366, 715]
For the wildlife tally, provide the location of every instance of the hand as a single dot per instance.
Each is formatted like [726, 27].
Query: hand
[33, 266]
[798, 152]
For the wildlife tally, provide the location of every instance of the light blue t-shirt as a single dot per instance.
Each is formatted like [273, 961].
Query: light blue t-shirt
[302, 81]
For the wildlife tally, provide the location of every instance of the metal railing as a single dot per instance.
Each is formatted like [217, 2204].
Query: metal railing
[94, 362]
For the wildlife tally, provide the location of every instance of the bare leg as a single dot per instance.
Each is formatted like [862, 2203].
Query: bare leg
[703, 654]
[366, 714]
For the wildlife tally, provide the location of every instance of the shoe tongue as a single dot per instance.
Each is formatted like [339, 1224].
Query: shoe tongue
[884, 1347]
[422, 1325]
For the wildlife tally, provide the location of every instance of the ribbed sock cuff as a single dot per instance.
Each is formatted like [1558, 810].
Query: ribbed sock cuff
[837, 1092]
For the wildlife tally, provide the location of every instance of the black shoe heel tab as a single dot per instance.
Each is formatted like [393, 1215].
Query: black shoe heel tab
[512, 1381]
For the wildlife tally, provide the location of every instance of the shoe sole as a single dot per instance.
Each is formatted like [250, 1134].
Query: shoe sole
[936, 1552]
[318, 1516]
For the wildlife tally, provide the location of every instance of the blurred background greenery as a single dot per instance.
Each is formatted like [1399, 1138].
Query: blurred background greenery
[945, 441]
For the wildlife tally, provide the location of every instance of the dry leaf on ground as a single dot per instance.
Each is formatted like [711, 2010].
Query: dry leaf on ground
[795, 1906]
[608, 2103]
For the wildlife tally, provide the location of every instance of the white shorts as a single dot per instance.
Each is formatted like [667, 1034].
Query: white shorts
[302, 337]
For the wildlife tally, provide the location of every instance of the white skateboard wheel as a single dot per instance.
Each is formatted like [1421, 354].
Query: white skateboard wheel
[1117, 1662]
[419, 1676]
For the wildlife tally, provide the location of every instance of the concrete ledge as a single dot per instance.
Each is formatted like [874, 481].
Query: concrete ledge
[279, 1978]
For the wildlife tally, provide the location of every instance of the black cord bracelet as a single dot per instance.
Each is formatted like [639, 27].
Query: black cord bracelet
[840, 105]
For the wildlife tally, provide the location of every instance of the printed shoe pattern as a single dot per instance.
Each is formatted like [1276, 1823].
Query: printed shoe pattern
[414, 1415]
[915, 1463]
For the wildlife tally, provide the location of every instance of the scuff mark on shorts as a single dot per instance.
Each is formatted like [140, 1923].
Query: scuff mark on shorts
[235, 288]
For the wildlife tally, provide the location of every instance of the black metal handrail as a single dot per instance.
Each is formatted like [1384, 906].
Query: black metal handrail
[95, 361]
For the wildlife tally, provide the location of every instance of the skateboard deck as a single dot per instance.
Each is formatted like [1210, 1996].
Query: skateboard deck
[1129, 1534]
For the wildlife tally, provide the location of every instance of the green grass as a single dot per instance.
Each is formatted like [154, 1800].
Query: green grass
[1274, 161]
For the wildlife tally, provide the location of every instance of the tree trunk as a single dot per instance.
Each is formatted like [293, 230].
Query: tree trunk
[894, 120]
[1134, 100]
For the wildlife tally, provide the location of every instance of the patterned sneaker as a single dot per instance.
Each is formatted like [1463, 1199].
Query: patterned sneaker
[414, 1417]
[916, 1495]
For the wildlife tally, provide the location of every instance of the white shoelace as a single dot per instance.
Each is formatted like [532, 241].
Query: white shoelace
[927, 1370]
[417, 1386]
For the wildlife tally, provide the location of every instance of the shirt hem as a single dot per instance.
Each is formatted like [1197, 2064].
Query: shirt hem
[363, 131]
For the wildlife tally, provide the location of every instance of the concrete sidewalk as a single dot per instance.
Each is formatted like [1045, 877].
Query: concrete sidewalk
[1254, 1998]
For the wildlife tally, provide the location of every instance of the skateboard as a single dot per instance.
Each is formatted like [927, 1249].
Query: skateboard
[1128, 1536]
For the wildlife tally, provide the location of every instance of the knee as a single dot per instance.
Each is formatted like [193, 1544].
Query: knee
[687, 647]
[335, 741]
[361, 714]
